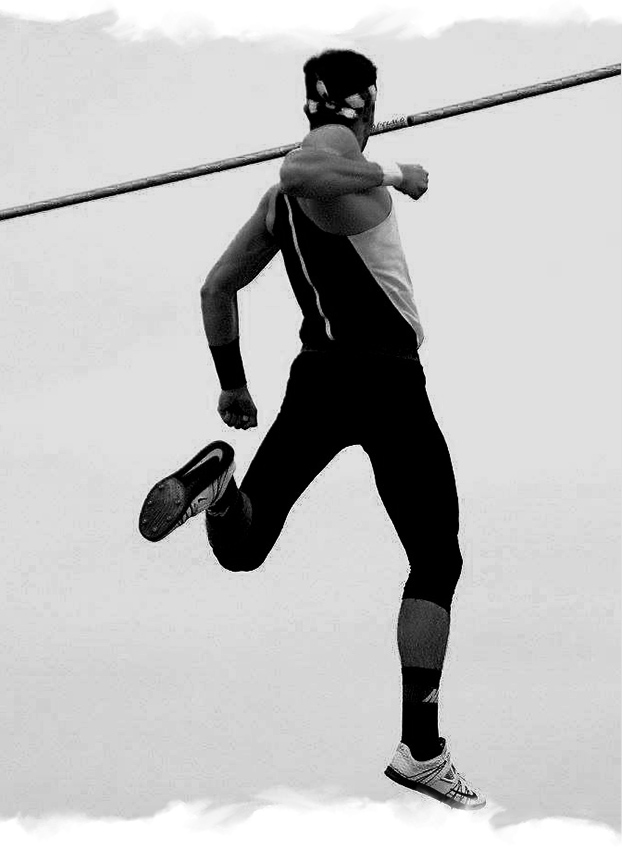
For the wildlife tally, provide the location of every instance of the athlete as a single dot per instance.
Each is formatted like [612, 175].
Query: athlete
[357, 380]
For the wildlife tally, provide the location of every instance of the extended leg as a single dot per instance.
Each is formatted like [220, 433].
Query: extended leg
[417, 487]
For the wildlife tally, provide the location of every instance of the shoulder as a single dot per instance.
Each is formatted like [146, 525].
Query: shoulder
[333, 138]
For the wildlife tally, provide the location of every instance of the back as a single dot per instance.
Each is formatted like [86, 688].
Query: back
[354, 289]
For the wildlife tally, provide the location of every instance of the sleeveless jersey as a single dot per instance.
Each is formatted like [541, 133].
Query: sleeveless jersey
[354, 292]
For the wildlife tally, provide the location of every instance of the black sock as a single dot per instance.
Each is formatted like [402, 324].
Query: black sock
[227, 499]
[420, 711]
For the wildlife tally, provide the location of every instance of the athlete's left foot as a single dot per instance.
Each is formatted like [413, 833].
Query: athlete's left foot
[436, 778]
[194, 488]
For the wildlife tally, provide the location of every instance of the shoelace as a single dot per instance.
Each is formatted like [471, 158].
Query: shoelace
[459, 783]
[463, 787]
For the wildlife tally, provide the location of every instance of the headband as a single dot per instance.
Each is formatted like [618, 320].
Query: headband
[349, 107]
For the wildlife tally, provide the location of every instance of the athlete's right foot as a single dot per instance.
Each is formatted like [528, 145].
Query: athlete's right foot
[436, 778]
[194, 488]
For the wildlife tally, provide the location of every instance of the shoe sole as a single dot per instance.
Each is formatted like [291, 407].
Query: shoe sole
[169, 499]
[430, 792]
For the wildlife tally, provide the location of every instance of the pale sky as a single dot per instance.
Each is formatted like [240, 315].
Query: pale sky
[187, 19]
[139, 674]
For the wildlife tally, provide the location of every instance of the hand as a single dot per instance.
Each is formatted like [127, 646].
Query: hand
[415, 182]
[237, 408]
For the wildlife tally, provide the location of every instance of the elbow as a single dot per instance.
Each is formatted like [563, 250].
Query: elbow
[220, 285]
[212, 286]
[305, 185]
[300, 173]
[207, 288]
[312, 180]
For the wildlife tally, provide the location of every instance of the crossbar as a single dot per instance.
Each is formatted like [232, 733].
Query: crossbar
[276, 153]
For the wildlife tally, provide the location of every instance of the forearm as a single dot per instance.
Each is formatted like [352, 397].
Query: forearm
[317, 174]
[220, 315]
[221, 323]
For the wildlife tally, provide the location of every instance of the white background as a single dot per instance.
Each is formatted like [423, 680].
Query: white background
[137, 673]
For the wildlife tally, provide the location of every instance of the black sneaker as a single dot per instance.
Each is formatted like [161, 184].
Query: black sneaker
[187, 492]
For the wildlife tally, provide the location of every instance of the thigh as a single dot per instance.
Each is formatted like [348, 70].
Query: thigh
[413, 470]
[306, 435]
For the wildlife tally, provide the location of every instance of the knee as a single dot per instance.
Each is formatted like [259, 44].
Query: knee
[239, 564]
[435, 584]
[239, 568]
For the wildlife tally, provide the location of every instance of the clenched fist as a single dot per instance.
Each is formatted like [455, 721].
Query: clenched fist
[415, 182]
[237, 408]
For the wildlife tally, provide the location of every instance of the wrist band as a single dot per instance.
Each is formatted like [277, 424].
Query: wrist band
[392, 174]
[228, 363]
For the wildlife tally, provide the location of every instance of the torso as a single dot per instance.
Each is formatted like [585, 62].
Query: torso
[348, 272]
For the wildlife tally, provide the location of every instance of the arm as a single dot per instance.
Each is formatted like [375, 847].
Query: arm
[247, 255]
[329, 164]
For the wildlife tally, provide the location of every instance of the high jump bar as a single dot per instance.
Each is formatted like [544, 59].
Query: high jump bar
[276, 153]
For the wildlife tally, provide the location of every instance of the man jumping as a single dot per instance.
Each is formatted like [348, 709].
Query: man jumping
[356, 381]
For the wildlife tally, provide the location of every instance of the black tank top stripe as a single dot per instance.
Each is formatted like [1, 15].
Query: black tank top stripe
[304, 268]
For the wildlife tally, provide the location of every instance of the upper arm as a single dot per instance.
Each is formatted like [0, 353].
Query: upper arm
[331, 140]
[249, 252]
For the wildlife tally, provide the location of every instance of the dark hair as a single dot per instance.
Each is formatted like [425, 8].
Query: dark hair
[344, 72]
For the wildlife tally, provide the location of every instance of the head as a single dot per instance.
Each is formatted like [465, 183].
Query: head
[341, 89]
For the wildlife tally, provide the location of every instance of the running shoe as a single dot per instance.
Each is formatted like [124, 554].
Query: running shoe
[437, 778]
[194, 488]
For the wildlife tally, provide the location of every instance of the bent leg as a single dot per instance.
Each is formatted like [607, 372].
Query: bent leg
[306, 435]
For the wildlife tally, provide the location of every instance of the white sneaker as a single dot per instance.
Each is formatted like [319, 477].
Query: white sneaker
[436, 777]
[189, 491]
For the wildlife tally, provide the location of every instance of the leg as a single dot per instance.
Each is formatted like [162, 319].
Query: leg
[422, 633]
[421, 500]
[307, 433]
